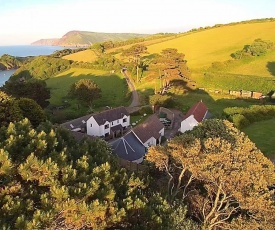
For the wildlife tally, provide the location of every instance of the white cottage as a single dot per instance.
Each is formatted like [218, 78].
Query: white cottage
[194, 116]
[109, 122]
[150, 131]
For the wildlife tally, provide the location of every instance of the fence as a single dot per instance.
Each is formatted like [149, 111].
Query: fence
[236, 93]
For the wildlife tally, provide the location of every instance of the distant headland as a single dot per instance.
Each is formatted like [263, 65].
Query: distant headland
[86, 39]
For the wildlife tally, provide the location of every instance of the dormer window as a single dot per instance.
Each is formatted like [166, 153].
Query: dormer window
[124, 120]
[106, 126]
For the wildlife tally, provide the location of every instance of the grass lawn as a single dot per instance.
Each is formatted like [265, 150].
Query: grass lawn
[138, 119]
[114, 88]
[263, 134]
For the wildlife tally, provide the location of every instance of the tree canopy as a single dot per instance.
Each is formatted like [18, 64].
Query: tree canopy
[12, 110]
[135, 52]
[42, 67]
[33, 89]
[171, 63]
[85, 90]
[49, 181]
[221, 174]
[11, 62]
[258, 48]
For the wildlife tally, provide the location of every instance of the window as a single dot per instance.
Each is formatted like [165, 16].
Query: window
[91, 125]
[124, 120]
[106, 126]
[117, 121]
[112, 123]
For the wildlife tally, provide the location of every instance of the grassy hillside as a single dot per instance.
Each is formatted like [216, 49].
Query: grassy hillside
[85, 38]
[216, 44]
[84, 56]
[114, 94]
[90, 56]
[261, 66]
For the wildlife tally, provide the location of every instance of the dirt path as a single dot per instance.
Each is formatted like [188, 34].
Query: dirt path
[135, 98]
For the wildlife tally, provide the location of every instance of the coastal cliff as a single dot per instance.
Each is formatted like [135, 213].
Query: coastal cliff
[85, 38]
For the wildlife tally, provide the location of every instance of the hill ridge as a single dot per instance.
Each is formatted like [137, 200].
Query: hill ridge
[86, 38]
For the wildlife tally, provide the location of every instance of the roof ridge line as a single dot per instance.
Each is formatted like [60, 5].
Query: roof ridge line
[124, 141]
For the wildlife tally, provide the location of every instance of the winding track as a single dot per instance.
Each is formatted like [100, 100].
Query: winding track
[135, 98]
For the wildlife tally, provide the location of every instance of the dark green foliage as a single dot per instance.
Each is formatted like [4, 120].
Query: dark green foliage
[179, 220]
[104, 62]
[161, 100]
[242, 117]
[107, 62]
[213, 128]
[48, 180]
[42, 67]
[85, 90]
[147, 110]
[33, 89]
[31, 110]
[103, 46]
[12, 110]
[64, 52]
[11, 62]
[240, 121]
[9, 110]
[258, 48]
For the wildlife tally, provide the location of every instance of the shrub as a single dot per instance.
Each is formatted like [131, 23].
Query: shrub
[147, 110]
[240, 121]
[241, 117]
[161, 100]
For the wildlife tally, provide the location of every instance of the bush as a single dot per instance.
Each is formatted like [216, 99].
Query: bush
[258, 48]
[240, 121]
[147, 110]
[241, 117]
[161, 100]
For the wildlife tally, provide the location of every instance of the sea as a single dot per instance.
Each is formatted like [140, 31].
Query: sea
[23, 51]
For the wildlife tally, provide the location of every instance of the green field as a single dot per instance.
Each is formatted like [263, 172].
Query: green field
[260, 66]
[114, 87]
[216, 44]
[226, 81]
[263, 134]
[203, 48]
[82, 56]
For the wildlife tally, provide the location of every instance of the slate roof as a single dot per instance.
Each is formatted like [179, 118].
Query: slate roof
[129, 147]
[110, 115]
[149, 128]
[76, 123]
[198, 110]
[79, 136]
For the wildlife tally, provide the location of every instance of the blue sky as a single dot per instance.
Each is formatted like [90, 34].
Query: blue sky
[24, 21]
